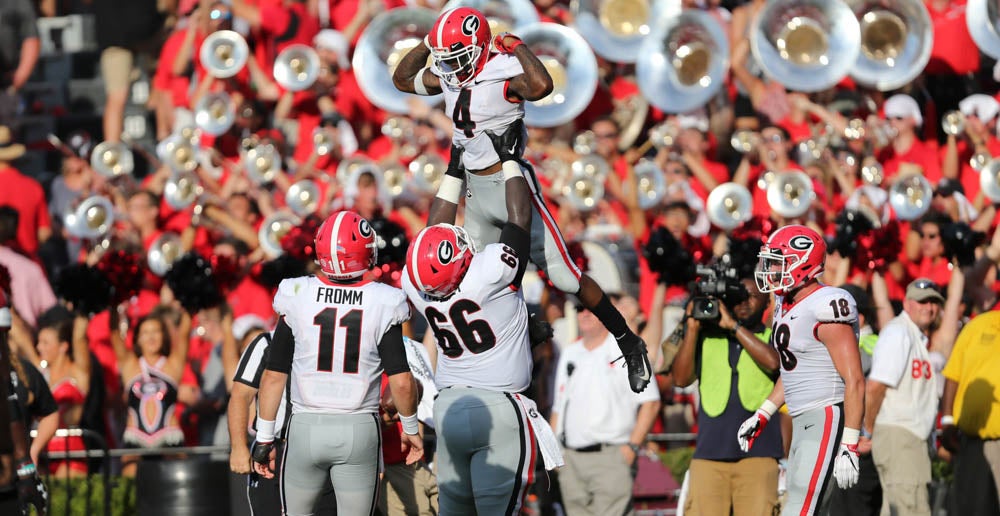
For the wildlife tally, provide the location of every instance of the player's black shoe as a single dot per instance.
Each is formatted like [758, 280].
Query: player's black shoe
[637, 362]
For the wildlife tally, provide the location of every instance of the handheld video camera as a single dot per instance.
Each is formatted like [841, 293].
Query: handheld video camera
[716, 283]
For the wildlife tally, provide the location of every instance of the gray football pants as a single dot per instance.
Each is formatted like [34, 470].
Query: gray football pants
[486, 213]
[815, 441]
[346, 448]
[485, 452]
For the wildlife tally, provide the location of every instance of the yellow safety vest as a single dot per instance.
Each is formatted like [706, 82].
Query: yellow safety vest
[715, 378]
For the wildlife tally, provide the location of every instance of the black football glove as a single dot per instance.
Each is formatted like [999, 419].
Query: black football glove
[509, 145]
[539, 330]
[31, 491]
[262, 453]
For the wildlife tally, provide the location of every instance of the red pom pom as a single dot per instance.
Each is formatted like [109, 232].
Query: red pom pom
[125, 271]
[758, 228]
[300, 241]
[226, 272]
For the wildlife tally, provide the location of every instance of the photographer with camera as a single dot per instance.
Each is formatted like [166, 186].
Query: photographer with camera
[725, 347]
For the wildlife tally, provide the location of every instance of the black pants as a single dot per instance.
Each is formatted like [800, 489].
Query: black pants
[972, 488]
[864, 499]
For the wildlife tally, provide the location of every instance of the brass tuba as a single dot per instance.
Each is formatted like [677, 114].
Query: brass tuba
[214, 114]
[910, 196]
[427, 172]
[790, 194]
[297, 67]
[224, 53]
[896, 40]
[388, 37]
[166, 250]
[583, 190]
[112, 160]
[273, 229]
[617, 28]
[573, 67]
[91, 218]
[683, 62]
[806, 45]
[729, 205]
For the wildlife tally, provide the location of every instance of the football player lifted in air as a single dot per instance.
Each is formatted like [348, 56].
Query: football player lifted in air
[815, 332]
[336, 333]
[484, 91]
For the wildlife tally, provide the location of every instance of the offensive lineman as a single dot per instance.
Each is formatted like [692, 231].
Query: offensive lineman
[486, 430]
[485, 92]
[335, 335]
[815, 332]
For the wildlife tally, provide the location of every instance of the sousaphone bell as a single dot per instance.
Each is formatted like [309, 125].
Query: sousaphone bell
[273, 229]
[729, 205]
[178, 153]
[617, 28]
[224, 53]
[806, 45]
[389, 37]
[92, 218]
[573, 68]
[182, 190]
[214, 114]
[583, 191]
[989, 180]
[683, 62]
[166, 249]
[896, 40]
[262, 164]
[983, 20]
[790, 194]
[427, 172]
[112, 160]
[910, 196]
[297, 67]
[303, 198]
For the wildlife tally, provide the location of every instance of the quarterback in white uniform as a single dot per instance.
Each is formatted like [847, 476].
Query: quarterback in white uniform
[815, 332]
[335, 335]
[484, 92]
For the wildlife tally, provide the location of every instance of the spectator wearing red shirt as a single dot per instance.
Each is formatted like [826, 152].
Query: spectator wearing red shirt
[906, 151]
[693, 145]
[280, 24]
[927, 259]
[171, 82]
[949, 75]
[980, 113]
[25, 195]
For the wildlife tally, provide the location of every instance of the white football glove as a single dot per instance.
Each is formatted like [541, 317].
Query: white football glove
[754, 425]
[846, 467]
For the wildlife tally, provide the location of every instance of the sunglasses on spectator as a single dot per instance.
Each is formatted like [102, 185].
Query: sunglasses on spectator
[774, 138]
[605, 136]
[219, 14]
[925, 284]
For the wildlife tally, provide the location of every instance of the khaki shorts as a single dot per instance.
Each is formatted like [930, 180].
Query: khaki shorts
[904, 469]
[116, 69]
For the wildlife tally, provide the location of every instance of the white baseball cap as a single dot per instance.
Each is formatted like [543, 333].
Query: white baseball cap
[984, 107]
[903, 106]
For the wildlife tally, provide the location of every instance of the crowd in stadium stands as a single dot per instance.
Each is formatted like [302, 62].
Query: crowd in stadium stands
[143, 373]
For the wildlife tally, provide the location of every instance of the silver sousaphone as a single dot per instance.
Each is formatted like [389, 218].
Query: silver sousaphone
[983, 19]
[806, 45]
[383, 44]
[224, 53]
[573, 67]
[615, 29]
[502, 15]
[896, 40]
[729, 205]
[683, 62]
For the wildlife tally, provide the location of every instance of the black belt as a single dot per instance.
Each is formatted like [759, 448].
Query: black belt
[592, 448]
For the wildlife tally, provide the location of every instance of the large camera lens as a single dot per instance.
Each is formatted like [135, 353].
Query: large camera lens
[705, 309]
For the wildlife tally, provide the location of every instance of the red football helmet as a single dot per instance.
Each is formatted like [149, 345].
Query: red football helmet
[459, 43]
[791, 256]
[438, 259]
[346, 246]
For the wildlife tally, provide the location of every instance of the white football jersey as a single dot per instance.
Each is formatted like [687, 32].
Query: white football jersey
[336, 368]
[483, 106]
[807, 371]
[482, 329]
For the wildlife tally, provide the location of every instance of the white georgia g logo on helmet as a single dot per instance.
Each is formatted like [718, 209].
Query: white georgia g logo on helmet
[800, 243]
[446, 251]
[365, 228]
[470, 25]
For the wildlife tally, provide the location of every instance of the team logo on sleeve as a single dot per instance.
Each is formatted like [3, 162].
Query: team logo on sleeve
[470, 25]
[446, 252]
[365, 228]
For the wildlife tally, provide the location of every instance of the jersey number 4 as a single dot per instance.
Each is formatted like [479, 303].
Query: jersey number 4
[461, 115]
[328, 323]
[475, 335]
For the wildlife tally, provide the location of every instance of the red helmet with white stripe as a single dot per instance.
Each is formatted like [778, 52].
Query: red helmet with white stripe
[792, 256]
[346, 246]
[438, 259]
[459, 43]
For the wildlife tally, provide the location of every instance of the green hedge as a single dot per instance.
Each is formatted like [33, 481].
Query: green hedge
[123, 502]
